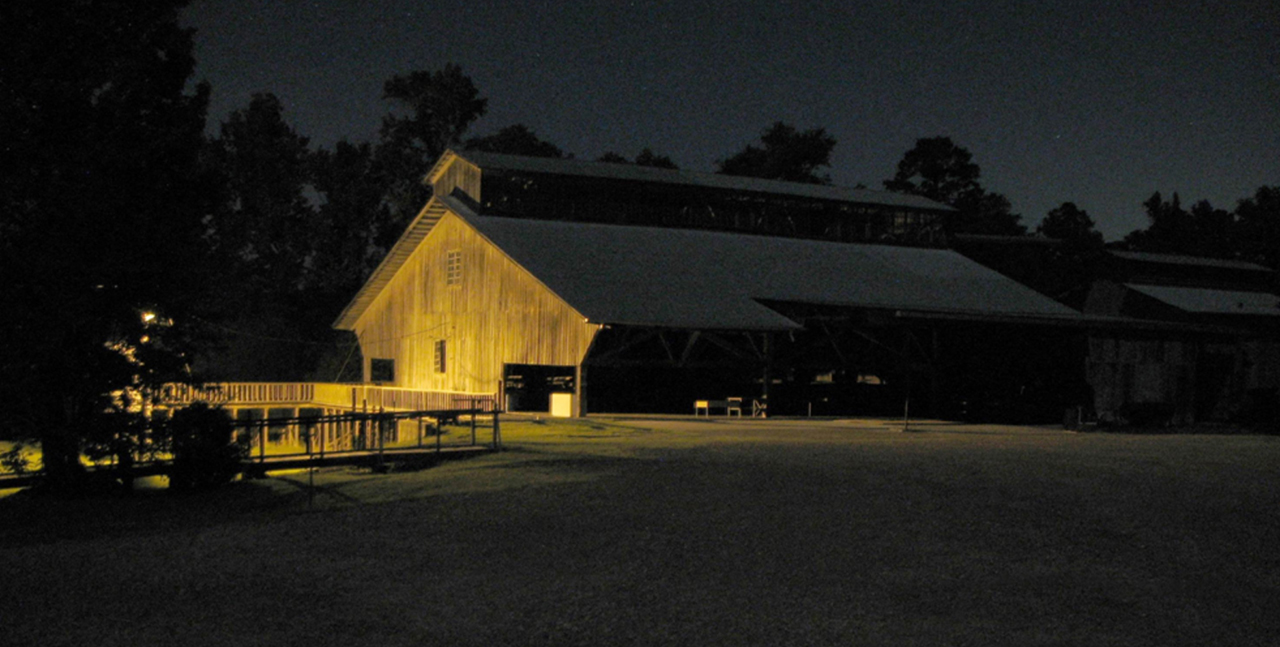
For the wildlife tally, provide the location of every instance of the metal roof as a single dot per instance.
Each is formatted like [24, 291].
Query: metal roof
[1211, 301]
[1173, 259]
[634, 172]
[714, 280]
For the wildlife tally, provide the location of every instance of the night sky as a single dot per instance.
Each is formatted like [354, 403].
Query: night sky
[1099, 103]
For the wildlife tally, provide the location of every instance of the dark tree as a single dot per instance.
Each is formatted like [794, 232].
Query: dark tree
[986, 213]
[295, 229]
[103, 201]
[515, 139]
[646, 157]
[1170, 229]
[352, 191]
[1071, 224]
[265, 231]
[939, 170]
[432, 112]
[1214, 231]
[1258, 227]
[784, 154]
[441, 106]
[263, 223]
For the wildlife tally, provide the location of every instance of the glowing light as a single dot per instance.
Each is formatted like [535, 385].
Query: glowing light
[148, 317]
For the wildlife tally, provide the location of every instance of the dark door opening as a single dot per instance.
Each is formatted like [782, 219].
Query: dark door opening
[528, 387]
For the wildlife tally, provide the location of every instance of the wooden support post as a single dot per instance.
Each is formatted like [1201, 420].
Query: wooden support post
[906, 364]
[364, 426]
[473, 421]
[382, 421]
[767, 351]
[497, 431]
[579, 391]
[308, 431]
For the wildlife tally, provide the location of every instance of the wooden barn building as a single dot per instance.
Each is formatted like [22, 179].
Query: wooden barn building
[579, 286]
[1202, 342]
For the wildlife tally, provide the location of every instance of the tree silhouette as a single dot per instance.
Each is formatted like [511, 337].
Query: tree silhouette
[262, 224]
[103, 201]
[294, 230]
[1214, 231]
[939, 170]
[784, 154]
[645, 157]
[434, 110]
[515, 139]
[1070, 223]
[441, 106]
[353, 191]
[1258, 227]
[1170, 229]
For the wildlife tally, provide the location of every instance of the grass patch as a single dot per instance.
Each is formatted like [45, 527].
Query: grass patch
[634, 531]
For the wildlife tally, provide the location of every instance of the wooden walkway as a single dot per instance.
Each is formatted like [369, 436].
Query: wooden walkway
[361, 458]
[369, 426]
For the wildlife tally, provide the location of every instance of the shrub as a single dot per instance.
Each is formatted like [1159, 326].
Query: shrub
[15, 461]
[205, 451]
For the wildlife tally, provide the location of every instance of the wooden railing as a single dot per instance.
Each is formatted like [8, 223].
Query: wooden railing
[338, 396]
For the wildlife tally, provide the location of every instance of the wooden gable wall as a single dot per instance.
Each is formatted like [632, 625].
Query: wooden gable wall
[497, 313]
[458, 174]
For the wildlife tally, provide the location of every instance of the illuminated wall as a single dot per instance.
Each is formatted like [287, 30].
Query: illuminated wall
[459, 309]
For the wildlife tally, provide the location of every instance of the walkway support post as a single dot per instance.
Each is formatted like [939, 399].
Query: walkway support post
[497, 431]
[382, 432]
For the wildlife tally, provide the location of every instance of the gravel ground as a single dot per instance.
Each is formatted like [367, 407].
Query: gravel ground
[670, 530]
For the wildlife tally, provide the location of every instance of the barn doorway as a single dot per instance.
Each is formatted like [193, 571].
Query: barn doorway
[528, 387]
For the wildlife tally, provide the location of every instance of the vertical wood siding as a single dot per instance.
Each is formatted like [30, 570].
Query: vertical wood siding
[498, 314]
[461, 174]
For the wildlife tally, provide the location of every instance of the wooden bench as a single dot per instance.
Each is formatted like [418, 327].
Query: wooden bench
[731, 406]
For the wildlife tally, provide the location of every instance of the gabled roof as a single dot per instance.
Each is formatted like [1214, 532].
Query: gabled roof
[637, 173]
[714, 280]
[694, 279]
[1209, 301]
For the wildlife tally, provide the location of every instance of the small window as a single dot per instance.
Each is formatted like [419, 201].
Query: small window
[382, 370]
[440, 356]
[453, 268]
